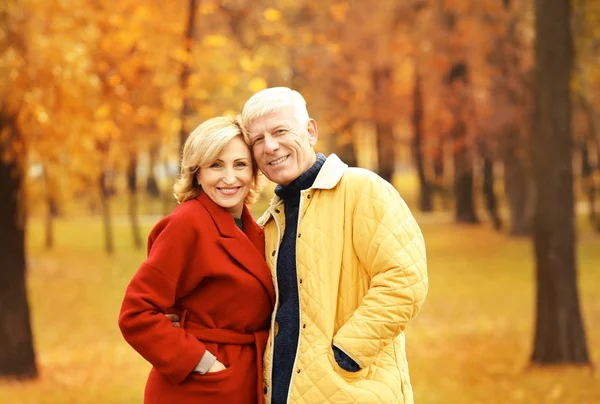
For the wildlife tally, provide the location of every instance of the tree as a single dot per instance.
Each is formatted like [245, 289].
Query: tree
[184, 78]
[425, 198]
[457, 100]
[559, 334]
[510, 101]
[587, 42]
[457, 81]
[17, 356]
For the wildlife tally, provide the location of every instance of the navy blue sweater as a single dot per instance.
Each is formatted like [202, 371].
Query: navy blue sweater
[288, 312]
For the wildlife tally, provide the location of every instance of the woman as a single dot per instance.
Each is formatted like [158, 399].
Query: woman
[206, 262]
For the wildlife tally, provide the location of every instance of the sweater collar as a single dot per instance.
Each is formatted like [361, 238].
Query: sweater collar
[328, 177]
[303, 182]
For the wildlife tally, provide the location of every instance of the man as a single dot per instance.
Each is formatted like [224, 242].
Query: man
[348, 262]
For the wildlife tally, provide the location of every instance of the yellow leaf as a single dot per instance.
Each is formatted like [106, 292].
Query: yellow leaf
[42, 116]
[103, 111]
[257, 84]
[114, 80]
[338, 11]
[334, 48]
[215, 40]
[200, 93]
[230, 80]
[231, 113]
[194, 80]
[246, 64]
[272, 15]
[143, 13]
[181, 55]
[207, 8]
[88, 143]
[206, 111]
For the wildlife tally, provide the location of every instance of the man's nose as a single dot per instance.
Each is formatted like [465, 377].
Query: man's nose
[271, 145]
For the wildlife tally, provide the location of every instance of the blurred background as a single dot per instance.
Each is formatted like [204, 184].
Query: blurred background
[482, 113]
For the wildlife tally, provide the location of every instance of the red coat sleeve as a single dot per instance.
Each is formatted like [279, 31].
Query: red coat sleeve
[152, 291]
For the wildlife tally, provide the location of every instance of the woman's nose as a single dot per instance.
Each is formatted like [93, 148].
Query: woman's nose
[229, 176]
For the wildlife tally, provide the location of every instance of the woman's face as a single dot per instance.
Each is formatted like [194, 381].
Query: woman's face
[228, 178]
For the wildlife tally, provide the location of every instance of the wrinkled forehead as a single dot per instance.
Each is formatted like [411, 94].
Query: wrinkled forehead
[271, 121]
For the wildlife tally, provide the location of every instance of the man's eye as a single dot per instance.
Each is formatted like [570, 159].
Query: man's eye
[281, 131]
[257, 140]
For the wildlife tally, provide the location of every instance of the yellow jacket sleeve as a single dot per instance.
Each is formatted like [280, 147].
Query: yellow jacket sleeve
[390, 247]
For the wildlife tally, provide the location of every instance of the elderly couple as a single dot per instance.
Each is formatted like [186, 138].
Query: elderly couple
[309, 305]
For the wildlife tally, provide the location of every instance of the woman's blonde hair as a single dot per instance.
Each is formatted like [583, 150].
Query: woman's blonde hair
[201, 148]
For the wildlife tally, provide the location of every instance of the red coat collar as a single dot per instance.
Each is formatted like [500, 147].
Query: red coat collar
[246, 247]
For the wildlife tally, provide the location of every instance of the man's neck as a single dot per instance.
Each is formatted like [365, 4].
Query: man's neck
[304, 181]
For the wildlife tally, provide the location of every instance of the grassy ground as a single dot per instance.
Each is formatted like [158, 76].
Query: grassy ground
[469, 345]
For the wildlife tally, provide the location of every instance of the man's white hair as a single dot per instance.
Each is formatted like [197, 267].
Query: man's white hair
[274, 99]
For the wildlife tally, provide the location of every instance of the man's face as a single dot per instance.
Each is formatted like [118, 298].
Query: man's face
[282, 146]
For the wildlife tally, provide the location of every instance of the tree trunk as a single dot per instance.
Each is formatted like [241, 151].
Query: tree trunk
[438, 172]
[463, 176]
[168, 201]
[382, 85]
[106, 217]
[457, 80]
[509, 88]
[51, 209]
[49, 224]
[587, 180]
[347, 152]
[516, 184]
[559, 334]
[133, 200]
[425, 202]
[17, 355]
[491, 202]
[186, 71]
[152, 188]
[591, 149]
[343, 144]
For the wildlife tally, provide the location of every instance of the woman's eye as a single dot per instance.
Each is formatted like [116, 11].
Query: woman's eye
[215, 165]
[241, 164]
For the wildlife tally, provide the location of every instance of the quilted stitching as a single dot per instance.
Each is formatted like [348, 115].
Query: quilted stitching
[362, 278]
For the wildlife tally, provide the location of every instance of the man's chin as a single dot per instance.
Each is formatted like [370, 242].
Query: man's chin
[281, 180]
[276, 177]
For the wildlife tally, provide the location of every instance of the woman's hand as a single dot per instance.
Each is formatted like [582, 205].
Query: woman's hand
[216, 367]
[174, 318]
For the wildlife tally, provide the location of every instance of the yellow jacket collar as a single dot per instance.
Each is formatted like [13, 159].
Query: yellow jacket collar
[330, 174]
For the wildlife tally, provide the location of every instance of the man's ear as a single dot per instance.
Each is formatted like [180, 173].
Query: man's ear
[313, 132]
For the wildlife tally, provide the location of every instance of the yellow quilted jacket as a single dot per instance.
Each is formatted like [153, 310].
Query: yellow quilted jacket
[362, 276]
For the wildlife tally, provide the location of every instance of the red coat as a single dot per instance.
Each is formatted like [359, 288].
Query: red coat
[203, 267]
